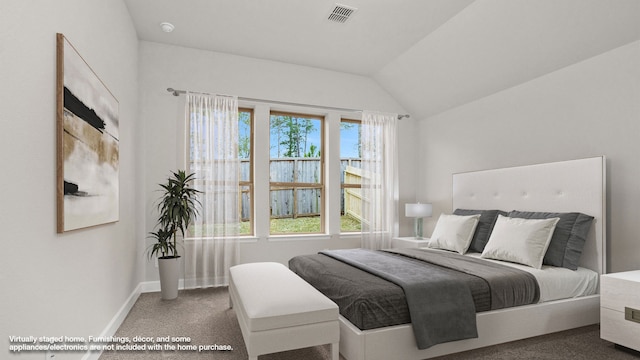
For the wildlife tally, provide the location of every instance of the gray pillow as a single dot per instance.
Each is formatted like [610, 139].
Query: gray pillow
[483, 229]
[568, 238]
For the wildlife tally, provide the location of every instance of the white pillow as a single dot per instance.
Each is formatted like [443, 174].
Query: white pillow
[523, 241]
[454, 232]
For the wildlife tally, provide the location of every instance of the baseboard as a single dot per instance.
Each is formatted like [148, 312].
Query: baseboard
[150, 286]
[117, 319]
[154, 286]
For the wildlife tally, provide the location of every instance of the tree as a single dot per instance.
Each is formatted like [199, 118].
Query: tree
[275, 128]
[312, 152]
[307, 128]
[291, 141]
[290, 135]
[244, 141]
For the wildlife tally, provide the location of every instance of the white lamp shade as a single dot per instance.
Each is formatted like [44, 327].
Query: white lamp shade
[417, 210]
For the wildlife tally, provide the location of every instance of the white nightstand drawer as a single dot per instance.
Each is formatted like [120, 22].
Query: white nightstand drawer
[620, 290]
[614, 328]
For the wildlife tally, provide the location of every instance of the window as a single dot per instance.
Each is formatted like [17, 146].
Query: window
[245, 145]
[350, 176]
[245, 153]
[296, 165]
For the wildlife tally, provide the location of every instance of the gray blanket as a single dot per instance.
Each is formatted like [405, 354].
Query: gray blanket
[441, 309]
[508, 286]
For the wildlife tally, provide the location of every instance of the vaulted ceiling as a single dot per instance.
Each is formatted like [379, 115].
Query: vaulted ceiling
[430, 55]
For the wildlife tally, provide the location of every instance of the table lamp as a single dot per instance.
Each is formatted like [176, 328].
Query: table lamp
[418, 211]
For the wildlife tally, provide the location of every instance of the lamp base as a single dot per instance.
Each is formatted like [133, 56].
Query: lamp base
[417, 228]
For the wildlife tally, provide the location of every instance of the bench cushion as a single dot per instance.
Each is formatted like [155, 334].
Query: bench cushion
[274, 297]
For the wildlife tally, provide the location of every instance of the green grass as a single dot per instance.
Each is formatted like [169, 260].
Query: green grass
[302, 225]
[310, 224]
[348, 223]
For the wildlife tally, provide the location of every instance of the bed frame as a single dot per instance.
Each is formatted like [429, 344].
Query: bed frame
[576, 185]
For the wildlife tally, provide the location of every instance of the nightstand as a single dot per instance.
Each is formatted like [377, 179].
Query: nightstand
[408, 242]
[620, 308]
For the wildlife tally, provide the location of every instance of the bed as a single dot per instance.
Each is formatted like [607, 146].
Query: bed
[568, 186]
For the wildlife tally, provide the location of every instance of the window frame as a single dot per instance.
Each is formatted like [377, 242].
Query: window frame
[295, 186]
[344, 186]
[250, 183]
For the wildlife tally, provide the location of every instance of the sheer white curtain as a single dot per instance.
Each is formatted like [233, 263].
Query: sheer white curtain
[212, 127]
[380, 179]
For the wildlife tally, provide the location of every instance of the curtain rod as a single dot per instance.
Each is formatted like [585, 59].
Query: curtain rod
[178, 92]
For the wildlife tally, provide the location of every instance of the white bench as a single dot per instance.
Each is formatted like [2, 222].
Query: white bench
[278, 311]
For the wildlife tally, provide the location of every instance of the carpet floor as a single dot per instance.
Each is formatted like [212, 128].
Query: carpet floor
[200, 325]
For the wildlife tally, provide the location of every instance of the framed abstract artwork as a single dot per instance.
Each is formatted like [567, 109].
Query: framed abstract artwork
[87, 144]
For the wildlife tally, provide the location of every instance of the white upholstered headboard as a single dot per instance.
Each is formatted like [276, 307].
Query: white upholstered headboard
[566, 186]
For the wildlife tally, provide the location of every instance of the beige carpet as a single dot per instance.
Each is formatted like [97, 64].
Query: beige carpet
[204, 317]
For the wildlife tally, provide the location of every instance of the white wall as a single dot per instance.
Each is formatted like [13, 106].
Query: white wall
[163, 66]
[493, 45]
[70, 284]
[587, 109]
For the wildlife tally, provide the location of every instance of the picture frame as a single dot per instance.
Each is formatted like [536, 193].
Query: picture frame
[87, 144]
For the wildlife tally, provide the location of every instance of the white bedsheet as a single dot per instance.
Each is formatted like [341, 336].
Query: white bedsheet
[558, 283]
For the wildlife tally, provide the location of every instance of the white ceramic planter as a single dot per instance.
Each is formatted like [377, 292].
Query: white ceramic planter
[169, 277]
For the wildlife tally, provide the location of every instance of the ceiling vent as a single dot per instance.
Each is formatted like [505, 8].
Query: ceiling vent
[341, 13]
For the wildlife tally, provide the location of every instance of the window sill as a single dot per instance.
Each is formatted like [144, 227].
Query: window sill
[288, 237]
[350, 235]
[241, 239]
[298, 237]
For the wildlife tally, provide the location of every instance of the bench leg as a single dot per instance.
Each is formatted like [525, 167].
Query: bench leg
[335, 351]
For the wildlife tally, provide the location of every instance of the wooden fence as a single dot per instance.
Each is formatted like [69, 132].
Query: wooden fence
[296, 201]
[291, 201]
[352, 196]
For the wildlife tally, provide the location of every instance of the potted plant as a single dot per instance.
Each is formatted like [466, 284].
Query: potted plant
[177, 207]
